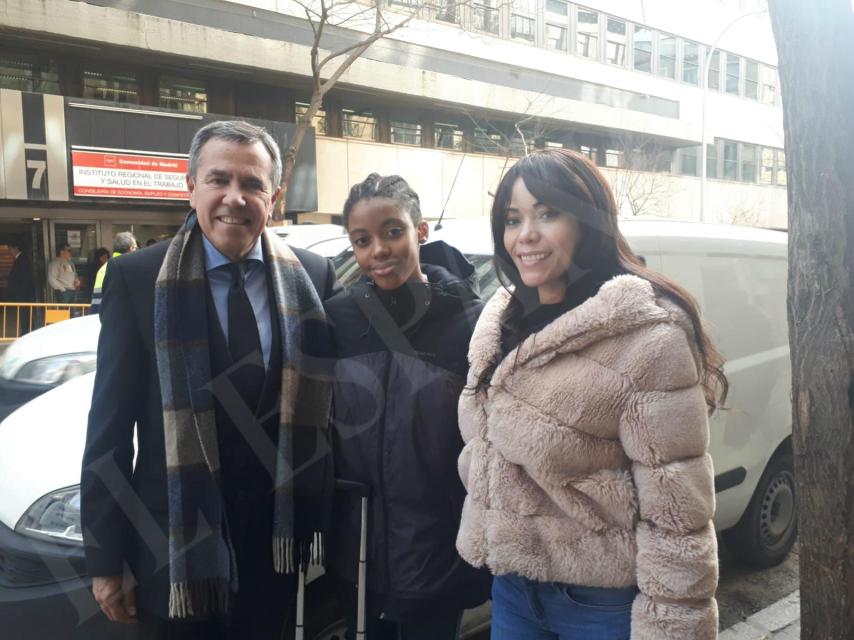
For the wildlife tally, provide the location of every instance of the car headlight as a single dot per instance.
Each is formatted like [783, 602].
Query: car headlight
[54, 517]
[57, 369]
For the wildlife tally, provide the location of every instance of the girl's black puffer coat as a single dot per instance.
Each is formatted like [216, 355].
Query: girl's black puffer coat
[401, 368]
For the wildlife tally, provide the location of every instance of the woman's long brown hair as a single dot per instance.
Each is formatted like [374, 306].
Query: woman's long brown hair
[568, 182]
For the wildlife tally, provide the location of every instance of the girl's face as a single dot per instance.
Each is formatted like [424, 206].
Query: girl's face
[541, 242]
[385, 242]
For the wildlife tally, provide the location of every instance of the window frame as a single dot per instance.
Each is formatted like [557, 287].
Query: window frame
[361, 113]
[597, 56]
[714, 70]
[641, 27]
[624, 44]
[160, 98]
[110, 71]
[683, 45]
[658, 55]
[41, 63]
[739, 80]
[565, 29]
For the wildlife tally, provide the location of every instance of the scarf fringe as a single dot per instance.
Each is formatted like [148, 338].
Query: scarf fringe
[288, 555]
[201, 598]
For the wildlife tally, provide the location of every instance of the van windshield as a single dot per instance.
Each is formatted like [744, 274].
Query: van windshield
[348, 273]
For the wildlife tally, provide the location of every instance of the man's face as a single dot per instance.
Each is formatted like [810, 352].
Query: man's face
[232, 194]
[65, 254]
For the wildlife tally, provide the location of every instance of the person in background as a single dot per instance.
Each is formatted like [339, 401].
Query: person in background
[123, 243]
[62, 276]
[96, 261]
[20, 288]
[585, 415]
[401, 336]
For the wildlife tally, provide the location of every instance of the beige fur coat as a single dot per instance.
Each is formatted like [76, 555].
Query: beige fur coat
[586, 458]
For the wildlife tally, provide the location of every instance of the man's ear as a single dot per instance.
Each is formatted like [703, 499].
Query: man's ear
[191, 187]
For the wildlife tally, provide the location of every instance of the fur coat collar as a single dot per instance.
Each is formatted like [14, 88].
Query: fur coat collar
[623, 303]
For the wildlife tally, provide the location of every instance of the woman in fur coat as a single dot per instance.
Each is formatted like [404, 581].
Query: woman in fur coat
[590, 488]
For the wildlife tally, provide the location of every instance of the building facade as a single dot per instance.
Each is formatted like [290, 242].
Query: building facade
[98, 101]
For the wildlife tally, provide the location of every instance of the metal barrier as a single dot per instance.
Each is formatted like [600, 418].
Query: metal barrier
[18, 318]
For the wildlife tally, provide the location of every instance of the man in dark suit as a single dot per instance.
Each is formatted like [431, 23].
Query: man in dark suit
[194, 521]
[20, 287]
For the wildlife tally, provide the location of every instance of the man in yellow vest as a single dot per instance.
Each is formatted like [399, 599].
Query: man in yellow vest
[123, 243]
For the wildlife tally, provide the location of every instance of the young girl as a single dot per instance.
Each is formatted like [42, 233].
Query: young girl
[401, 336]
[590, 489]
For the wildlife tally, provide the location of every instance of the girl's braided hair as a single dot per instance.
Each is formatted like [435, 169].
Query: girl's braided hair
[394, 188]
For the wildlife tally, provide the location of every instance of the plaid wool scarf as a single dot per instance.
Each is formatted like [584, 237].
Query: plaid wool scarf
[203, 573]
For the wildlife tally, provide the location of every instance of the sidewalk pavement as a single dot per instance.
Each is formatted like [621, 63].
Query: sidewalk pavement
[780, 621]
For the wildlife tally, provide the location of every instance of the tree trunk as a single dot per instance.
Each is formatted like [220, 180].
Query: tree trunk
[815, 44]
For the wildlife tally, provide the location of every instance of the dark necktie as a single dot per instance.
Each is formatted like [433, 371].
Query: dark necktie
[244, 340]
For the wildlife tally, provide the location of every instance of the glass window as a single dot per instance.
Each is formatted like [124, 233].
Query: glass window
[769, 85]
[614, 158]
[643, 49]
[447, 136]
[557, 7]
[751, 79]
[715, 70]
[615, 47]
[748, 163]
[26, 72]
[447, 11]
[359, 124]
[667, 56]
[766, 171]
[730, 160]
[587, 34]
[522, 27]
[122, 88]
[781, 167]
[403, 132]
[690, 62]
[590, 152]
[733, 73]
[555, 37]
[183, 95]
[485, 17]
[318, 121]
[488, 141]
[711, 161]
[689, 161]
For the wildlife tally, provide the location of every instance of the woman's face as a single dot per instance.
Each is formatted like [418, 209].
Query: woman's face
[385, 242]
[541, 242]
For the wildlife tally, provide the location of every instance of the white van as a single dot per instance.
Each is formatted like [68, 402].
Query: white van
[738, 276]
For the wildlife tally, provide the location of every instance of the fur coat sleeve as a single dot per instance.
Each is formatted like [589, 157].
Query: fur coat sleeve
[664, 432]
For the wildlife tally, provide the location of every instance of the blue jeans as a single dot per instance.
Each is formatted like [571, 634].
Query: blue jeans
[526, 610]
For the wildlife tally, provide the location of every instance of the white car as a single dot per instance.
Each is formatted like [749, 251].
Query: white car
[738, 276]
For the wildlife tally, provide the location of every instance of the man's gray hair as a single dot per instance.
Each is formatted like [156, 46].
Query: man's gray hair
[124, 242]
[242, 133]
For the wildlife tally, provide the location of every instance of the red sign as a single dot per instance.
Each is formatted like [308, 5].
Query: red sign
[122, 175]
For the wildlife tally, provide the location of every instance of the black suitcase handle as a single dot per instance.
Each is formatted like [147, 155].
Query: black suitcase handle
[351, 486]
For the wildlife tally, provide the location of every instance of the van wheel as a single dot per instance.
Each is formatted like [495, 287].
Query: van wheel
[767, 530]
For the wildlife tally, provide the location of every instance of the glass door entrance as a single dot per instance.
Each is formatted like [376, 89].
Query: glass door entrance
[82, 239]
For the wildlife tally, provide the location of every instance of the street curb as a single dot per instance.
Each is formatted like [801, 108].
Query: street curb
[780, 621]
